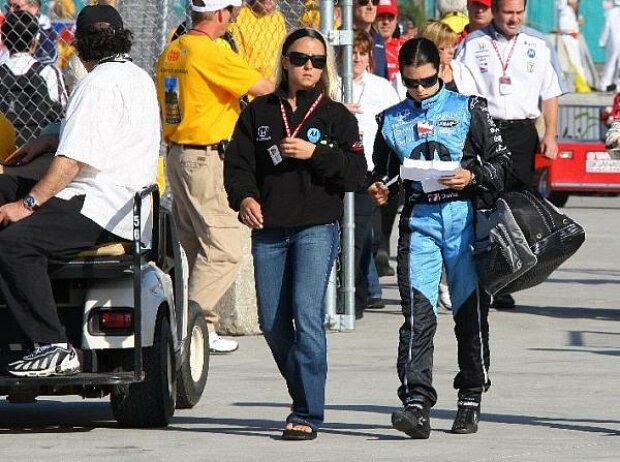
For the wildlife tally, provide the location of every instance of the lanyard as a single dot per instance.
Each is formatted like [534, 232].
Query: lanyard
[287, 125]
[499, 56]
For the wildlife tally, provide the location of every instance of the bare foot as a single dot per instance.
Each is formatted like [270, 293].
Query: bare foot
[298, 427]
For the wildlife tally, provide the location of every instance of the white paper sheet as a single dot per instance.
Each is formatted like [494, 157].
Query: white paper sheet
[428, 172]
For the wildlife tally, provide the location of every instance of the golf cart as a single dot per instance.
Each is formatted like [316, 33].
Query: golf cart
[125, 309]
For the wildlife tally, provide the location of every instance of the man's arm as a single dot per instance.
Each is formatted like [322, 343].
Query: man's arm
[262, 87]
[549, 145]
[60, 173]
[41, 145]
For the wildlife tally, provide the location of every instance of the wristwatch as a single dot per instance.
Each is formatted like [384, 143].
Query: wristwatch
[31, 203]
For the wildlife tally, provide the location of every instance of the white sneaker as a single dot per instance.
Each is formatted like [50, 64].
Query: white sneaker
[445, 301]
[219, 344]
[46, 360]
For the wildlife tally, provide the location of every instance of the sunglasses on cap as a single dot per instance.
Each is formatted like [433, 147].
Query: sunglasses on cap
[366, 2]
[426, 83]
[300, 59]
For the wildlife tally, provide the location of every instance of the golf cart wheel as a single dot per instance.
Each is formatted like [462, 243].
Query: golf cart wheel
[150, 403]
[194, 370]
[558, 199]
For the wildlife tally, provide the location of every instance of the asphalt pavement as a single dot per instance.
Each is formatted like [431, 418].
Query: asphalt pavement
[555, 394]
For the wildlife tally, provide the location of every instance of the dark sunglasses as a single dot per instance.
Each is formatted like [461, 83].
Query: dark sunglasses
[300, 59]
[415, 83]
[366, 2]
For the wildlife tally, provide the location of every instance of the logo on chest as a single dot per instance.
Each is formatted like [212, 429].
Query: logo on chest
[313, 134]
[447, 123]
[263, 133]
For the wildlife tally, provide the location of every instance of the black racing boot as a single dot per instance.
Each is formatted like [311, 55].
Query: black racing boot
[413, 420]
[467, 417]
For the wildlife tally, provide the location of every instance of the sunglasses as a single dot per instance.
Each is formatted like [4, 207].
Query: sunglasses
[300, 59]
[415, 83]
[366, 2]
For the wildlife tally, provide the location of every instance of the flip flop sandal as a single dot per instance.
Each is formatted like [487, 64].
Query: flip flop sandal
[298, 435]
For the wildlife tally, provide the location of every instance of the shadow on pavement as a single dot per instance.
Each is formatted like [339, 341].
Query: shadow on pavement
[49, 416]
[581, 425]
[604, 314]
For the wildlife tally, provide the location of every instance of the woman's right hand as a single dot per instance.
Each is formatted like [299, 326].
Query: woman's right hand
[379, 192]
[251, 213]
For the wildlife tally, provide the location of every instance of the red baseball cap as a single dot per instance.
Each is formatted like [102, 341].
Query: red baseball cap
[387, 7]
[486, 3]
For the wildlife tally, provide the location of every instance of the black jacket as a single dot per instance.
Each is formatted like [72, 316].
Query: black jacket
[294, 192]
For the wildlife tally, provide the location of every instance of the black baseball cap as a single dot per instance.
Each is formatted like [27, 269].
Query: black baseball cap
[97, 14]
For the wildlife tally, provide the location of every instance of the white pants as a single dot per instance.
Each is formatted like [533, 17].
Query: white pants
[610, 73]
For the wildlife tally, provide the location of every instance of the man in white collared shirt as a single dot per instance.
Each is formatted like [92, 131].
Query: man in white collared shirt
[107, 151]
[518, 72]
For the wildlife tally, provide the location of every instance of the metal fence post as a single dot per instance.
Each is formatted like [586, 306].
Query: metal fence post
[344, 39]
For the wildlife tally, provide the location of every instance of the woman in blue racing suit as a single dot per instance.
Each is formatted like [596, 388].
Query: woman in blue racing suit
[437, 227]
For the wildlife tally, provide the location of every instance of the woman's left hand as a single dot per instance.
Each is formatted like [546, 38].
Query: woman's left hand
[458, 181]
[296, 148]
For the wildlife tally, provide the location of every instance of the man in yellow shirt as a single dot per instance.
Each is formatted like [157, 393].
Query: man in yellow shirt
[259, 31]
[199, 84]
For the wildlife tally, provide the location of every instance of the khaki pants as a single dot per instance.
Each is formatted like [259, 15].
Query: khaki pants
[209, 230]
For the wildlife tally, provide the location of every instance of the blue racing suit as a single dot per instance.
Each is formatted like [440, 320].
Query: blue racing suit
[437, 228]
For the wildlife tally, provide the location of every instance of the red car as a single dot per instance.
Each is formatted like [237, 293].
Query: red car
[583, 164]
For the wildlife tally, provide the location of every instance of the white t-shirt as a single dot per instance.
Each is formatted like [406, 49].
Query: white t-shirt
[533, 71]
[567, 18]
[20, 63]
[112, 126]
[610, 35]
[463, 78]
[4, 53]
[374, 94]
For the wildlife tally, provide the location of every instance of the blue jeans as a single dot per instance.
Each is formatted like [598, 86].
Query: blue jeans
[291, 269]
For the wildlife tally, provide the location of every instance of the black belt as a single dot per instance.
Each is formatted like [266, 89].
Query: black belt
[437, 197]
[219, 147]
[513, 123]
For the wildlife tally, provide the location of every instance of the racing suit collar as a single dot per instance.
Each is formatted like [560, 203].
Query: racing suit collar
[431, 101]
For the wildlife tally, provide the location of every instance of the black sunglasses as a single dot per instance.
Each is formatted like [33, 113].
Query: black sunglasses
[366, 2]
[300, 59]
[415, 83]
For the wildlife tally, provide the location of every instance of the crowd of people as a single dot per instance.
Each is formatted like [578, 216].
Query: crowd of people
[256, 135]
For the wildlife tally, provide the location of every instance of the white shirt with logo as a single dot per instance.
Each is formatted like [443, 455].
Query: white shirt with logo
[374, 94]
[112, 127]
[532, 71]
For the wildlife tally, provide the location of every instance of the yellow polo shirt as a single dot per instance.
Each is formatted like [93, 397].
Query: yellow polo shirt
[199, 83]
[259, 39]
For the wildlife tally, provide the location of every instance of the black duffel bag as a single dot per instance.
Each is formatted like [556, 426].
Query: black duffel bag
[522, 241]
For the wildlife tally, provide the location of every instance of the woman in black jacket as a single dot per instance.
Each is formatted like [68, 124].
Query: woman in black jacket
[293, 155]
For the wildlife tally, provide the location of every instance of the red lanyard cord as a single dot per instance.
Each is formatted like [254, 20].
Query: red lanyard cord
[287, 125]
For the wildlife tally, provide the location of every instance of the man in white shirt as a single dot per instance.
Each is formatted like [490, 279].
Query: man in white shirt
[46, 51]
[107, 151]
[518, 72]
[610, 39]
[32, 94]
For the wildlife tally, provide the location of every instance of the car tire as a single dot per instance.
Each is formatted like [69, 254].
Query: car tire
[558, 199]
[192, 377]
[150, 403]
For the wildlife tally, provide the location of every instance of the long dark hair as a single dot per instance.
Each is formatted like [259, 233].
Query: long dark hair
[417, 52]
